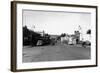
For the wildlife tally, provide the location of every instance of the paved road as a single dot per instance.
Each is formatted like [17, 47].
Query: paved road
[55, 53]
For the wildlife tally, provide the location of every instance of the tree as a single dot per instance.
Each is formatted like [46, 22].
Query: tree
[89, 31]
[63, 34]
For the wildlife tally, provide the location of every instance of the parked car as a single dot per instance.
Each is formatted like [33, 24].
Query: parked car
[86, 43]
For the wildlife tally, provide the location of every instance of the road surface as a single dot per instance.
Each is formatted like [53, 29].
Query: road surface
[59, 52]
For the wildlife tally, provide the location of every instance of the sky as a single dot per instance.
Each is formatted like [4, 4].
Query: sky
[56, 22]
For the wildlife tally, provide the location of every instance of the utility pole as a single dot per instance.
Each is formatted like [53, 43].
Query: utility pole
[33, 27]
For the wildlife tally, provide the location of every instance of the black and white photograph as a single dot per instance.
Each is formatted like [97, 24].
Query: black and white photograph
[53, 36]
[56, 36]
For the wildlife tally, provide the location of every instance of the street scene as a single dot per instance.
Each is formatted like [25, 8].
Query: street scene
[48, 37]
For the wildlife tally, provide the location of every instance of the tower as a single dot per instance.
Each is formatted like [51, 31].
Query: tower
[77, 36]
